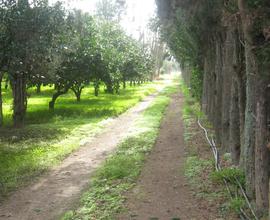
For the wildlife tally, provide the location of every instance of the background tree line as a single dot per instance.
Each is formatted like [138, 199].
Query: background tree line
[224, 50]
[43, 44]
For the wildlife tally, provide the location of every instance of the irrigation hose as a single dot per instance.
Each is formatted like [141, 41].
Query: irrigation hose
[215, 152]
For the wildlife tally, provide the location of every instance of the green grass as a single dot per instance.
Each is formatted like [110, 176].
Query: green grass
[51, 136]
[194, 167]
[105, 197]
[199, 167]
[191, 105]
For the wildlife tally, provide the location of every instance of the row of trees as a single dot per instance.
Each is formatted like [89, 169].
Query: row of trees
[46, 44]
[224, 50]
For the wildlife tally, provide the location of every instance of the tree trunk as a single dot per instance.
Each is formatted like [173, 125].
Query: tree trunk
[227, 72]
[242, 105]
[251, 71]
[96, 87]
[77, 92]
[237, 107]
[52, 102]
[261, 150]
[6, 83]
[205, 87]
[55, 96]
[109, 88]
[38, 88]
[19, 100]
[218, 89]
[78, 95]
[96, 91]
[117, 88]
[78, 98]
[124, 84]
[1, 101]
[234, 124]
[249, 132]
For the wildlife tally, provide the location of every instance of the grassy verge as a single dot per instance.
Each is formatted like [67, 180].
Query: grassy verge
[50, 136]
[104, 199]
[199, 167]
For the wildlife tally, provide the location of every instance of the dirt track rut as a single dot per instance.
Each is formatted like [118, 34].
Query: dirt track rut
[162, 192]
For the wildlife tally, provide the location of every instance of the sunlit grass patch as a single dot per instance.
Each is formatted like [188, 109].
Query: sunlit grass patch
[50, 136]
[120, 166]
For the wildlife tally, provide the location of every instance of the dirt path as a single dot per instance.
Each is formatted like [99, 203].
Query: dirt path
[51, 195]
[162, 192]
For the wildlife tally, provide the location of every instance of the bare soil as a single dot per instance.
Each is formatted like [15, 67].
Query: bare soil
[162, 191]
[56, 192]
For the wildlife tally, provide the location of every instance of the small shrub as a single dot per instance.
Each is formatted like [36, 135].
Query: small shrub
[196, 82]
[230, 174]
[236, 204]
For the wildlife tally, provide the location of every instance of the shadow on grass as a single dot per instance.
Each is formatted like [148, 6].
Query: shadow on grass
[61, 114]
[49, 136]
[35, 133]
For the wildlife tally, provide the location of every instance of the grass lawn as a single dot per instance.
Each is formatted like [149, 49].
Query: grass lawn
[105, 196]
[50, 136]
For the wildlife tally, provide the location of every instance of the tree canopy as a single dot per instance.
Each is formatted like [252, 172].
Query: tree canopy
[223, 48]
[47, 44]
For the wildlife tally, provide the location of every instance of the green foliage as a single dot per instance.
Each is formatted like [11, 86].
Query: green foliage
[110, 10]
[230, 174]
[46, 44]
[191, 106]
[236, 204]
[121, 57]
[187, 31]
[196, 83]
[253, 4]
[231, 6]
[169, 67]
